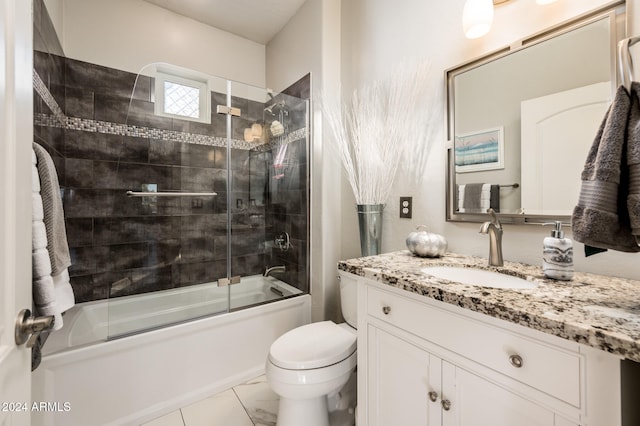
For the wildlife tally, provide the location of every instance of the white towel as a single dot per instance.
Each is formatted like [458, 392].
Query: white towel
[461, 208]
[37, 210]
[41, 266]
[44, 292]
[65, 298]
[44, 296]
[38, 235]
[35, 178]
[52, 295]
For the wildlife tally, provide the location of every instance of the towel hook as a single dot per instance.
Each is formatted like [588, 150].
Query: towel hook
[625, 62]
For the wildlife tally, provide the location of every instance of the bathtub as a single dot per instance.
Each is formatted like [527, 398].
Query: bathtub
[98, 321]
[100, 380]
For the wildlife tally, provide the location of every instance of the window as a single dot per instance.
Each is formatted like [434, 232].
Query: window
[182, 97]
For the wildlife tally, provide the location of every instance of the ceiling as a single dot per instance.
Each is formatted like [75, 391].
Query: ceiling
[257, 20]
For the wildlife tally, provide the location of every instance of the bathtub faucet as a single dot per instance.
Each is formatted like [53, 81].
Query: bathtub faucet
[269, 271]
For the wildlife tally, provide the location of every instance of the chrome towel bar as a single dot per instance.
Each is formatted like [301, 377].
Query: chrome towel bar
[170, 194]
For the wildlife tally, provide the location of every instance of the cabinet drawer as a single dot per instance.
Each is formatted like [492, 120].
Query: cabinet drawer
[552, 370]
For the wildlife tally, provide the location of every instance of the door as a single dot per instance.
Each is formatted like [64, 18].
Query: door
[475, 401]
[16, 134]
[557, 132]
[399, 378]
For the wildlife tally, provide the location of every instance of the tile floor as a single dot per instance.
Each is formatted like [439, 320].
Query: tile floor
[249, 404]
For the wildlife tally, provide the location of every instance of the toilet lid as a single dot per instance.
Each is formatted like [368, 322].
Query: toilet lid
[314, 345]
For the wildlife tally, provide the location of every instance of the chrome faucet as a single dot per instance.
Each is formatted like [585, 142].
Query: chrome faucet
[494, 229]
[268, 271]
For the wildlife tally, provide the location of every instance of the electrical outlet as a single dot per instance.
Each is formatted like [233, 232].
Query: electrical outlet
[406, 207]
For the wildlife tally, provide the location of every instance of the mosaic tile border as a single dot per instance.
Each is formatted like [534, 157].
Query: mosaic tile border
[60, 120]
[49, 100]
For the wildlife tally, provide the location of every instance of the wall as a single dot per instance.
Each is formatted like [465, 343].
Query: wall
[377, 33]
[48, 64]
[128, 34]
[310, 42]
[55, 9]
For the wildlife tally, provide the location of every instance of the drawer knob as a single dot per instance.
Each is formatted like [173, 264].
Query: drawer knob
[516, 361]
[446, 404]
[386, 310]
[433, 396]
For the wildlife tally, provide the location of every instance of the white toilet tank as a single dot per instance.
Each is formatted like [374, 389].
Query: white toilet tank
[349, 298]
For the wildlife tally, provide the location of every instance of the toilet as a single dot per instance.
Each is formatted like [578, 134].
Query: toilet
[309, 365]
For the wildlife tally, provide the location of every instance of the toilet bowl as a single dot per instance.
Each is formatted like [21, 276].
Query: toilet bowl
[307, 364]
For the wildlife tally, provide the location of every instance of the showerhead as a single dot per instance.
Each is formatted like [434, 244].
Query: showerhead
[279, 104]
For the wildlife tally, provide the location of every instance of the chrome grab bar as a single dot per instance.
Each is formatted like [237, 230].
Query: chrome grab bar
[170, 194]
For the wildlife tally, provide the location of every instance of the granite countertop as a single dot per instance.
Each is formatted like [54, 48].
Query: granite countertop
[596, 310]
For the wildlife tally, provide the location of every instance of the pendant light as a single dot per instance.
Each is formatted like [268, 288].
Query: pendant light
[477, 17]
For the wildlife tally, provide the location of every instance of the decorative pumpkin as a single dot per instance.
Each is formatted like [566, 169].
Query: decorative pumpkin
[426, 244]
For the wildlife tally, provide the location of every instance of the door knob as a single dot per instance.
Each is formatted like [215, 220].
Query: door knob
[433, 396]
[28, 328]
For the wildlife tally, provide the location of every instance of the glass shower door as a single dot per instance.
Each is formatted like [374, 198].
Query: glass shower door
[167, 229]
[268, 196]
[208, 188]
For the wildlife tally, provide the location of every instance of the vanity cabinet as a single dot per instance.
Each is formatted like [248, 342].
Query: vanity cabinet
[409, 386]
[424, 362]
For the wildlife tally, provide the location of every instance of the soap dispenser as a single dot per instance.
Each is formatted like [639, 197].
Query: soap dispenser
[557, 254]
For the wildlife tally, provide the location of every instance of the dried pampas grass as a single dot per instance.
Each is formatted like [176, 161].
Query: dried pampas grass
[378, 127]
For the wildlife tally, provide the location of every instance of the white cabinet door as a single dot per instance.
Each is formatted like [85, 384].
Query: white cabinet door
[475, 401]
[400, 376]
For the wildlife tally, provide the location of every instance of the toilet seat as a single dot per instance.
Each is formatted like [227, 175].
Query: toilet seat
[311, 346]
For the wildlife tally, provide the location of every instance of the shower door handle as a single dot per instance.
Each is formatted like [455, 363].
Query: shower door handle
[28, 328]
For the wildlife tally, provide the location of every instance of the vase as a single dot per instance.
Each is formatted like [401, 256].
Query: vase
[370, 224]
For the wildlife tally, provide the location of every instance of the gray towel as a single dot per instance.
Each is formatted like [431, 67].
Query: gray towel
[495, 198]
[478, 197]
[53, 213]
[601, 218]
[633, 161]
[472, 196]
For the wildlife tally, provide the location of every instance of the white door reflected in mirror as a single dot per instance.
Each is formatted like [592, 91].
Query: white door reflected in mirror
[557, 132]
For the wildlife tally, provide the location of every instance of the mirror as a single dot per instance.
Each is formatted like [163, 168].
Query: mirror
[520, 121]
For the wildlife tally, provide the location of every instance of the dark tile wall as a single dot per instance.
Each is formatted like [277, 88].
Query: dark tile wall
[288, 205]
[121, 245]
[48, 62]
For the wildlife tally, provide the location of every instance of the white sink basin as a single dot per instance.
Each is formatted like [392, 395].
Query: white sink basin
[479, 277]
